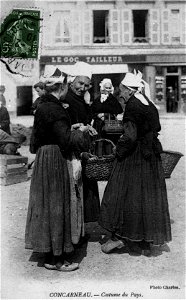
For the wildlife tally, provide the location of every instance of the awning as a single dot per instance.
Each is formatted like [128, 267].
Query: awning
[96, 69]
[110, 69]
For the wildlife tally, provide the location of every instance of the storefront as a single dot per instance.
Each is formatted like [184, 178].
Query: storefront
[170, 75]
[160, 71]
[107, 66]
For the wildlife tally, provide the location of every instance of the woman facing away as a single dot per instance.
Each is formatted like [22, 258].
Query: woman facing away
[48, 227]
[135, 206]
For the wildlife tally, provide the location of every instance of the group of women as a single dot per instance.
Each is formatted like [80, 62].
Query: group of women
[134, 206]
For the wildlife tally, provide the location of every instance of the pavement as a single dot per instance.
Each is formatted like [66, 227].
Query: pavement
[27, 121]
[116, 275]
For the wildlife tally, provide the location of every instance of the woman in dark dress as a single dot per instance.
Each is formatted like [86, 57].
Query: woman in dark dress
[80, 112]
[134, 206]
[104, 105]
[48, 227]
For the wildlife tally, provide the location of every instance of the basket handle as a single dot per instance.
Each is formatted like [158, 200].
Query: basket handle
[105, 140]
[100, 149]
[109, 117]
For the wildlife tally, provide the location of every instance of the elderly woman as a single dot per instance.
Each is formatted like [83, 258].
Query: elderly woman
[134, 206]
[48, 227]
[105, 104]
[79, 110]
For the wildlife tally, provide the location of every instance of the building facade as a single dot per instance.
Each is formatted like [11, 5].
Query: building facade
[117, 36]
[120, 36]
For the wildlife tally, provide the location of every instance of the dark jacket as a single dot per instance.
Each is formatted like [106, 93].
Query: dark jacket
[2, 99]
[51, 125]
[141, 126]
[111, 105]
[5, 119]
[36, 103]
[78, 110]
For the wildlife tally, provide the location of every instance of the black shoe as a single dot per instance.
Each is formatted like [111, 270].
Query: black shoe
[134, 248]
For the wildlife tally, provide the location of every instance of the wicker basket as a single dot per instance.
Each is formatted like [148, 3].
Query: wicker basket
[169, 161]
[113, 126]
[99, 168]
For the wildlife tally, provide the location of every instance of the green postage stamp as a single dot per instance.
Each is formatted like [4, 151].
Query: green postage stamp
[20, 34]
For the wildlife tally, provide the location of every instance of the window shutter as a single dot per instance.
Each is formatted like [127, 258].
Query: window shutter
[76, 27]
[55, 26]
[115, 27]
[183, 27]
[154, 27]
[126, 21]
[87, 27]
[47, 28]
[165, 27]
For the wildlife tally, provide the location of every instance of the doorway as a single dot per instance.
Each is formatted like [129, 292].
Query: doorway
[24, 100]
[172, 93]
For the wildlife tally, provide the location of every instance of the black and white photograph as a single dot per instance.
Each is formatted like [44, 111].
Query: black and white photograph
[92, 149]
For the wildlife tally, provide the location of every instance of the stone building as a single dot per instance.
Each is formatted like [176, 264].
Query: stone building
[116, 36]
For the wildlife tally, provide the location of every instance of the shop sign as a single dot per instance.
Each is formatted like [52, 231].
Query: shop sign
[95, 59]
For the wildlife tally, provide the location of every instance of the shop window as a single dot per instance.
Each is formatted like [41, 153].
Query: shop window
[183, 70]
[100, 25]
[24, 100]
[159, 88]
[62, 27]
[183, 89]
[175, 26]
[140, 26]
[172, 69]
[159, 71]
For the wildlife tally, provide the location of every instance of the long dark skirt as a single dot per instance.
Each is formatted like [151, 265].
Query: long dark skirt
[48, 218]
[134, 204]
[90, 199]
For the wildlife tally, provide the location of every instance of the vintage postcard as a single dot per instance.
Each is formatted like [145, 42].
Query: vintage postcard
[107, 79]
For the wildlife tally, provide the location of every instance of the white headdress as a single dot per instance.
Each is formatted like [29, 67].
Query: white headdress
[134, 80]
[104, 81]
[102, 88]
[81, 68]
[52, 75]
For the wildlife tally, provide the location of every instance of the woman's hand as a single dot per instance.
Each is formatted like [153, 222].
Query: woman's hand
[101, 116]
[92, 131]
[83, 128]
[76, 126]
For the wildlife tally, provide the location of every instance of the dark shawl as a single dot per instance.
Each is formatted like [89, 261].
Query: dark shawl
[51, 125]
[78, 110]
[141, 125]
[110, 105]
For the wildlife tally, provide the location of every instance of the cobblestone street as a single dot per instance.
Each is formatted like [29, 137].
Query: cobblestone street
[99, 274]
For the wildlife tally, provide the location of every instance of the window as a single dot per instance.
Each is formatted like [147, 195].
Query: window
[159, 71]
[140, 26]
[100, 26]
[183, 70]
[159, 88]
[175, 25]
[172, 69]
[62, 27]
